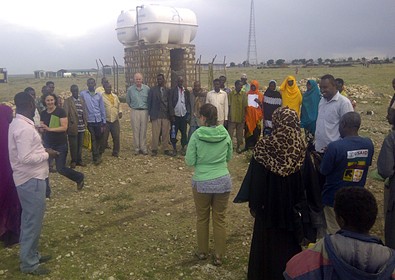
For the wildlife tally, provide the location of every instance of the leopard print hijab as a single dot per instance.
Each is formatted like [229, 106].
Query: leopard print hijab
[283, 151]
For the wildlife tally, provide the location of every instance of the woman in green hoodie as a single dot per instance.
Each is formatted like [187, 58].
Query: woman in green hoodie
[209, 150]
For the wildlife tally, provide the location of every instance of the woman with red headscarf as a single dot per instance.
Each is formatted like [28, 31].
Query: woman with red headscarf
[10, 208]
[254, 115]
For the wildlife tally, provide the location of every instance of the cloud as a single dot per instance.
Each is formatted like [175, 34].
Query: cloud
[29, 50]
[285, 29]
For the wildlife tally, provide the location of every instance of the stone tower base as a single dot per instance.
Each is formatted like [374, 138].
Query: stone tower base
[171, 60]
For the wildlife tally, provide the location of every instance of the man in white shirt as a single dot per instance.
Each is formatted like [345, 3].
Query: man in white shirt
[180, 114]
[29, 163]
[219, 99]
[330, 110]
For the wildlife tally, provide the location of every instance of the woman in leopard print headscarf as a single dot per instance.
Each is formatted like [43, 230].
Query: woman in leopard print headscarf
[283, 151]
[273, 187]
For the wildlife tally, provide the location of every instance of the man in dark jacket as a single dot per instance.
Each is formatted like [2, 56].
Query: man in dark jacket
[159, 113]
[76, 116]
[385, 167]
[351, 253]
[180, 112]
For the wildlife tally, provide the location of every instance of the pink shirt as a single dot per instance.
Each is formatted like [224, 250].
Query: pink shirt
[27, 155]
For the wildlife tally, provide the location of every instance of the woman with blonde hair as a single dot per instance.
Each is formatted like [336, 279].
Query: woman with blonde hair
[209, 150]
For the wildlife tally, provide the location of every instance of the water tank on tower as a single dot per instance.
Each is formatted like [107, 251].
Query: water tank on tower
[126, 28]
[155, 24]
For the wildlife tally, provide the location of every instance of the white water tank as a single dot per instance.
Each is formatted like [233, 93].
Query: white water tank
[126, 28]
[156, 24]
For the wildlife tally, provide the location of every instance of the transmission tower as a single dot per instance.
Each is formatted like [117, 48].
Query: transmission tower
[252, 54]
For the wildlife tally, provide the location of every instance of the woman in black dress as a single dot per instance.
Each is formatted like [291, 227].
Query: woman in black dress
[273, 186]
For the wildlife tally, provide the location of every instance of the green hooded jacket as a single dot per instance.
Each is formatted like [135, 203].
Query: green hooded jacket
[209, 150]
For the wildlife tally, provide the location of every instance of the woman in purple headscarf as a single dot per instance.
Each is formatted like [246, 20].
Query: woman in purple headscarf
[10, 208]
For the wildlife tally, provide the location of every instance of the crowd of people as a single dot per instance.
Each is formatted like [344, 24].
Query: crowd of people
[305, 178]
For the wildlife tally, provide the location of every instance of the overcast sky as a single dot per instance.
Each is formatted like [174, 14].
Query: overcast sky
[51, 35]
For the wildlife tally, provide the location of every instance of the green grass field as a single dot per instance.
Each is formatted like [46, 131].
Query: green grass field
[377, 77]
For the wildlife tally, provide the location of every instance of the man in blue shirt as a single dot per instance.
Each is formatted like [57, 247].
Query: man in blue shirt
[345, 164]
[96, 118]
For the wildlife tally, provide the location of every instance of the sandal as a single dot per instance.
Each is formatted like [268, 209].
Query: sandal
[201, 256]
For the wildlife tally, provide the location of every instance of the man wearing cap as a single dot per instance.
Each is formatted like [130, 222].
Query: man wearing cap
[246, 85]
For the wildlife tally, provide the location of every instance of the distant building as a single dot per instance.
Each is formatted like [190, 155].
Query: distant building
[39, 74]
[3, 75]
[76, 72]
[66, 73]
[51, 74]
[121, 70]
[216, 66]
[107, 70]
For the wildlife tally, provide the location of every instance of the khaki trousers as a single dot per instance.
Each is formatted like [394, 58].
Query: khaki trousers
[331, 224]
[139, 121]
[239, 132]
[217, 202]
[158, 126]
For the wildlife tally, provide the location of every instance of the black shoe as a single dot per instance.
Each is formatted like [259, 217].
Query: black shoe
[40, 271]
[97, 162]
[73, 165]
[154, 153]
[80, 185]
[44, 259]
[168, 153]
[115, 155]
[81, 164]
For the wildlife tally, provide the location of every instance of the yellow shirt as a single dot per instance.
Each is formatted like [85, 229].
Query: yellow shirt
[100, 89]
[112, 106]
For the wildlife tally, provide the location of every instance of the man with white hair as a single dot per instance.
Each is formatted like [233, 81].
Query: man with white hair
[137, 99]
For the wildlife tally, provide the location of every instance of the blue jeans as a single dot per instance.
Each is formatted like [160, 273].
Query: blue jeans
[32, 197]
[60, 161]
[191, 130]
